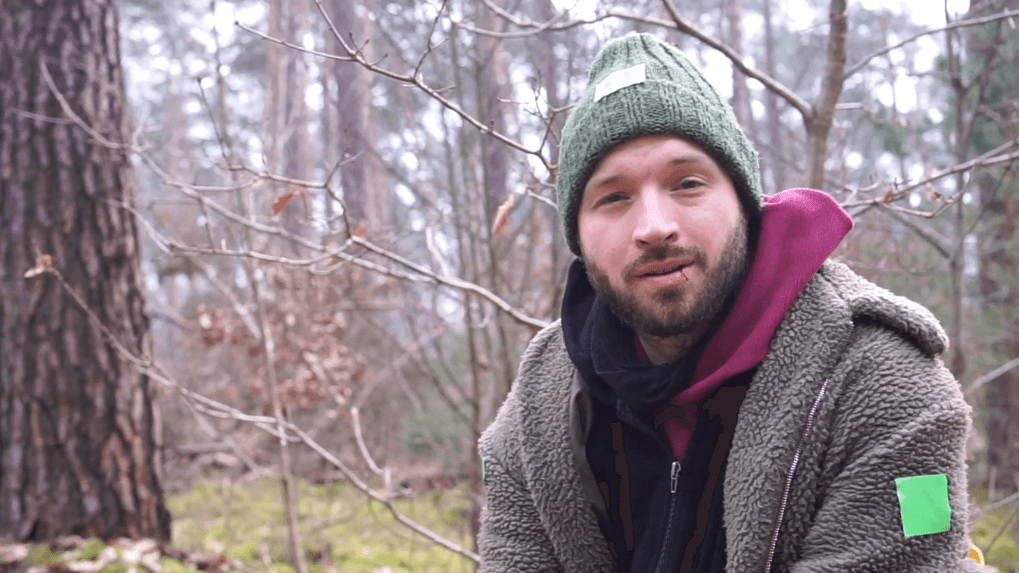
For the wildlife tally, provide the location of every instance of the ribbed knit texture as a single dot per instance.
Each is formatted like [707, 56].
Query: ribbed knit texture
[673, 99]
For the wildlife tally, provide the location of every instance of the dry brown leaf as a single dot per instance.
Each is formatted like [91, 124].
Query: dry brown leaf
[502, 214]
[281, 202]
[43, 263]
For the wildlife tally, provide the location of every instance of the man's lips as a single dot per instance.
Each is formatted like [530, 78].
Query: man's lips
[659, 268]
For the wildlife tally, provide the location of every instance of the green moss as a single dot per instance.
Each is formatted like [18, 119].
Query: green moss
[340, 530]
[115, 567]
[90, 550]
[41, 555]
[1004, 554]
[283, 567]
[171, 565]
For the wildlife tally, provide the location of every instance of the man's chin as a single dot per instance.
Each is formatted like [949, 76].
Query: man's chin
[671, 329]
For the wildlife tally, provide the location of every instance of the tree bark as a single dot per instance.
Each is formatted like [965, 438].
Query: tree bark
[351, 137]
[999, 287]
[740, 90]
[549, 67]
[777, 165]
[287, 118]
[493, 89]
[819, 124]
[79, 432]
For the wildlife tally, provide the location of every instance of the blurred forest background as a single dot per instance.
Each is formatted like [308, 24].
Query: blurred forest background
[267, 266]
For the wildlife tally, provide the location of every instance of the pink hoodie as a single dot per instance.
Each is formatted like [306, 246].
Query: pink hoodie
[800, 228]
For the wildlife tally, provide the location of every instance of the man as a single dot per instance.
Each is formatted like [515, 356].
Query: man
[717, 396]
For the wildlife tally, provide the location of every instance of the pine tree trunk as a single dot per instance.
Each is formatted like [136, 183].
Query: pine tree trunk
[79, 434]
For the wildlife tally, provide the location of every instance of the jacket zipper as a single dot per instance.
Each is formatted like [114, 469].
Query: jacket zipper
[673, 486]
[792, 473]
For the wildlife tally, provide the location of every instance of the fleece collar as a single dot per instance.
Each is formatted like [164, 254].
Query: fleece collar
[799, 229]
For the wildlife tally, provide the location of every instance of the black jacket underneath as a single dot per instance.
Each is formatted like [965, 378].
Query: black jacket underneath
[655, 523]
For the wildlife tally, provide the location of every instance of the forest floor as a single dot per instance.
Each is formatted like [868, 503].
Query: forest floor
[222, 527]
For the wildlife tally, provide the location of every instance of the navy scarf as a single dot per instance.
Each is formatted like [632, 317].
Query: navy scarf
[602, 348]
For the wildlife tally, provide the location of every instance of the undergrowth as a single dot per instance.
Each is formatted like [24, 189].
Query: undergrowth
[340, 530]
[1004, 553]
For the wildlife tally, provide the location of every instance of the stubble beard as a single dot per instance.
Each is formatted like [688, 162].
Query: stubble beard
[677, 311]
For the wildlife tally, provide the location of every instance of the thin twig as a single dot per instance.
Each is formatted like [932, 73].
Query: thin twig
[454, 282]
[986, 160]
[991, 376]
[251, 224]
[954, 25]
[358, 57]
[268, 424]
[778, 88]
[992, 506]
[1004, 525]
[66, 107]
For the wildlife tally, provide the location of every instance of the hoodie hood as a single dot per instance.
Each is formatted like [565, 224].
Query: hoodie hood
[799, 229]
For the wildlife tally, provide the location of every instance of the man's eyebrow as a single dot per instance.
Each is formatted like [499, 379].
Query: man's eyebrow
[674, 162]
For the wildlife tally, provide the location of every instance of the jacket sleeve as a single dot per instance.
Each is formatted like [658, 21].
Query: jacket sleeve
[512, 537]
[901, 415]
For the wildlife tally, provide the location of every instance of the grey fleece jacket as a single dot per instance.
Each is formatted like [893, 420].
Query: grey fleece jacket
[890, 409]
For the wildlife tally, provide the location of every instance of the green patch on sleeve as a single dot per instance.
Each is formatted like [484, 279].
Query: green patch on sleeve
[923, 502]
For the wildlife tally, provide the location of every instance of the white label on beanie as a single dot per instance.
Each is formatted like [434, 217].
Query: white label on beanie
[618, 80]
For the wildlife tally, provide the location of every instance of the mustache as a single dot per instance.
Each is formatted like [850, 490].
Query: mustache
[665, 252]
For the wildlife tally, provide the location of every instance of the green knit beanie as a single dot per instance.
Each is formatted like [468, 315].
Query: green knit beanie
[641, 86]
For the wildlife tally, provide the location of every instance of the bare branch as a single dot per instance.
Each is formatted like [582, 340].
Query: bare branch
[456, 283]
[801, 105]
[384, 473]
[66, 107]
[270, 424]
[327, 253]
[358, 57]
[384, 500]
[929, 235]
[993, 157]
[991, 376]
[953, 26]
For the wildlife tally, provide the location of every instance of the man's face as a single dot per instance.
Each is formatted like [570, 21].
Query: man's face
[663, 236]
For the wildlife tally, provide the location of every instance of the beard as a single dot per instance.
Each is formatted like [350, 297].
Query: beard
[678, 310]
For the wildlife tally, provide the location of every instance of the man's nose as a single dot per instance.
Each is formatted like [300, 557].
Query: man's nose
[654, 226]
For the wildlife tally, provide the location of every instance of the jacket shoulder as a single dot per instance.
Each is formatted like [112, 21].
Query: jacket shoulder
[540, 393]
[868, 302]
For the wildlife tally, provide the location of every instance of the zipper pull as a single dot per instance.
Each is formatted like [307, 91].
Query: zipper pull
[675, 476]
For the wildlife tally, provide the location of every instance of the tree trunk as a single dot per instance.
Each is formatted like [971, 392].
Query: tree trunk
[1001, 297]
[776, 165]
[551, 80]
[493, 91]
[79, 433]
[819, 124]
[352, 136]
[288, 142]
[740, 91]
[999, 235]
